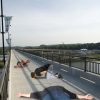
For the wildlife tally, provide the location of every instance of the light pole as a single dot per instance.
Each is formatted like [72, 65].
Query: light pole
[2, 31]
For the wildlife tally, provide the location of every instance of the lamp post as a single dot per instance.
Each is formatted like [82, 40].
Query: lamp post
[2, 31]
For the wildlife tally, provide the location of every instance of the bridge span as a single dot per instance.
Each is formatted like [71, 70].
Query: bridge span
[20, 80]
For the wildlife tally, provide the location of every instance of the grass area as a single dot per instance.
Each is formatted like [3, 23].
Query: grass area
[96, 55]
[1, 64]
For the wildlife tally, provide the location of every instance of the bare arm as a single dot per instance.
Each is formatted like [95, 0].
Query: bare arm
[24, 95]
[74, 96]
[35, 95]
[87, 97]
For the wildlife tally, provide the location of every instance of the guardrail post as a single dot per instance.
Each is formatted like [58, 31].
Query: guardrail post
[69, 60]
[52, 55]
[47, 55]
[85, 64]
[59, 57]
[42, 54]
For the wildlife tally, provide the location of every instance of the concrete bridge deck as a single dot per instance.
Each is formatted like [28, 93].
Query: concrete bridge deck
[20, 80]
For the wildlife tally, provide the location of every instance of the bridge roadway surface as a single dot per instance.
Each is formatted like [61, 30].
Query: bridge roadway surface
[20, 80]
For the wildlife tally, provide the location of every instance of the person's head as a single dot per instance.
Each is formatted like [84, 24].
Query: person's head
[32, 74]
[18, 63]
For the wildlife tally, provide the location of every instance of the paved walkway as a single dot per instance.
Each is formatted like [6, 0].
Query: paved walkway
[20, 80]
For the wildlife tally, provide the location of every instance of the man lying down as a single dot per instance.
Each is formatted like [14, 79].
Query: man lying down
[45, 71]
[55, 93]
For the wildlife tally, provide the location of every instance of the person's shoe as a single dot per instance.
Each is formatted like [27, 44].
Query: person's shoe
[60, 76]
[56, 74]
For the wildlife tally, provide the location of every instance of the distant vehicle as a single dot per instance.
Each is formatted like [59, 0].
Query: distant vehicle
[83, 49]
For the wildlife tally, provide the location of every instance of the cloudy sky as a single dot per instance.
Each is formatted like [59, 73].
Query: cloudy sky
[37, 22]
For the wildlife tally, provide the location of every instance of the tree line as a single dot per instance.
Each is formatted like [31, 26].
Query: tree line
[78, 46]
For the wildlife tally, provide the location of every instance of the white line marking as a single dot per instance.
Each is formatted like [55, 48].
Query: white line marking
[87, 80]
[64, 70]
[75, 86]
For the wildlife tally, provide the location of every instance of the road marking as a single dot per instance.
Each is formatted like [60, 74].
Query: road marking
[87, 80]
[71, 84]
[64, 70]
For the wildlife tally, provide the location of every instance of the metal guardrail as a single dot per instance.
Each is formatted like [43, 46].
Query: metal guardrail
[4, 78]
[93, 67]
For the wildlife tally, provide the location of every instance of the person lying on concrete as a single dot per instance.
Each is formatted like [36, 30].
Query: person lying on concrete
[22, 63]
[55, 93]
[25, 62]
[45, 71]
[19, 65]
[41, 71]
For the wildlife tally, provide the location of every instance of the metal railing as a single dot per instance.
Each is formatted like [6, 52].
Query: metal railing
[4, 78]
[93, 67]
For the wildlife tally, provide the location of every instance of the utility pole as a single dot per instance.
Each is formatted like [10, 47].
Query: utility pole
[2, 31]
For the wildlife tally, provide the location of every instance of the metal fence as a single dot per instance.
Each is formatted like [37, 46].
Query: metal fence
[93, 67]
[4, 78]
